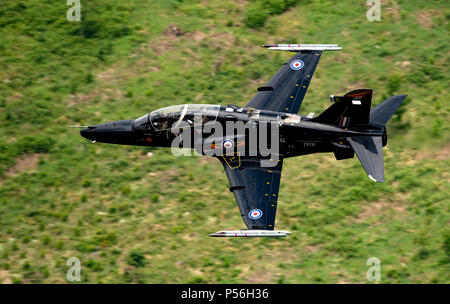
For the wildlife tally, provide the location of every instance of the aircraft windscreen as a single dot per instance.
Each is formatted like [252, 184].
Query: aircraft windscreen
[142, 123]
[171, 117]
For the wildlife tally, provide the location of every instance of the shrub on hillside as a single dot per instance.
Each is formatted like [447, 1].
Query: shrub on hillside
[255, 15]
[136, 258]
[36, 143]
[258, 11]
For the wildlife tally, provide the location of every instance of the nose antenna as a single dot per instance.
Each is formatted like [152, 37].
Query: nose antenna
[77, 126]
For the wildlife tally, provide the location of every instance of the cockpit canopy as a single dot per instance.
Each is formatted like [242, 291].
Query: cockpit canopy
[177, 117]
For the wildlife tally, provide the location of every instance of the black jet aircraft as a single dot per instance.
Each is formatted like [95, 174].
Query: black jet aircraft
[348, 127]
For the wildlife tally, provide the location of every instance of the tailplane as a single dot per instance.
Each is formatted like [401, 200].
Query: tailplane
[381, 114]
[369, 150]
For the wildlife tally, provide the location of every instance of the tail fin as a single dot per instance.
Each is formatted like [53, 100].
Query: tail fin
[381, 114]
[351, 109]
[369, 150]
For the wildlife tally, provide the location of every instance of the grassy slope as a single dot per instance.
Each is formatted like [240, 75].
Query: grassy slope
[117, 209]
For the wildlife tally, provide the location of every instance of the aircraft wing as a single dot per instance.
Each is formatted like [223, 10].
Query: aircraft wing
[286, 90]
[255, 189]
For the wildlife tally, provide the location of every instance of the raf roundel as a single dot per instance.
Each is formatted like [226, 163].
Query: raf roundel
[255, 214]
[227, 144]
[297, 65]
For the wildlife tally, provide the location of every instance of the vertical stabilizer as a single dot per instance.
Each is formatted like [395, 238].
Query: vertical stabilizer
[352, 109]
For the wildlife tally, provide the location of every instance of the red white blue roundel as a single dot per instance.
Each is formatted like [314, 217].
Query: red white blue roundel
[297, 64]
[227, 144]
[255, 214]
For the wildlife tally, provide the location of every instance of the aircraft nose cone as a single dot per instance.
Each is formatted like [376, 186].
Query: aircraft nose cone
[87, 133]
[84, 132]
[116, 132]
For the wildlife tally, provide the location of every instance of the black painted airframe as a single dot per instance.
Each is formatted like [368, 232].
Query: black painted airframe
[348, 127]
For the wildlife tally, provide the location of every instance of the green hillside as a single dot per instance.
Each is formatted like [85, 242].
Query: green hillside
[134, 217]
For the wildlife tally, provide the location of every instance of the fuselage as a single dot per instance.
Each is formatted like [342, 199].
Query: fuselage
[223, 128]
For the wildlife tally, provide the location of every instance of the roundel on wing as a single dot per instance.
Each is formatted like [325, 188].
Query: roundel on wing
[227, 144]
[255, 214]
[297, 64]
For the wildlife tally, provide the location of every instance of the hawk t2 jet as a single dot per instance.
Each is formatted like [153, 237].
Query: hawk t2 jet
[348, 127]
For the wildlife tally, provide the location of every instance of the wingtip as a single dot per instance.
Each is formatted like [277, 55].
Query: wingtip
[380, 180]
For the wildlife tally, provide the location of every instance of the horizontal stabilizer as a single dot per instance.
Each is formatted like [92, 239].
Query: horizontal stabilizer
[381, 114]
[302, 47]
[369, 150]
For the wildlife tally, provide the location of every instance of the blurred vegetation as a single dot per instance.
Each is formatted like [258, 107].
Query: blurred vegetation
[133, 218]
[258, 11]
